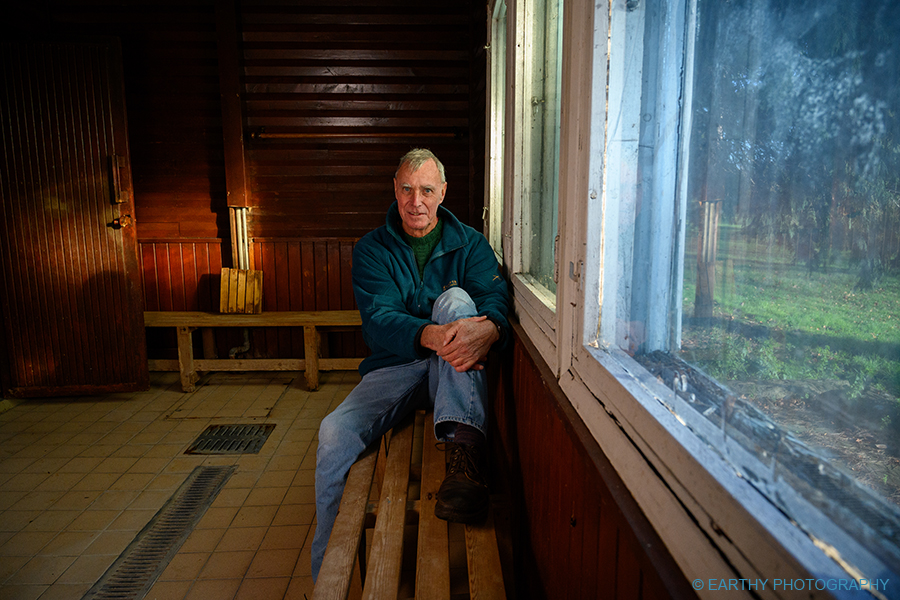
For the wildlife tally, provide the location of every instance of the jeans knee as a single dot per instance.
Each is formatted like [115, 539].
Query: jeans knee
[332, 434]
[455, 303]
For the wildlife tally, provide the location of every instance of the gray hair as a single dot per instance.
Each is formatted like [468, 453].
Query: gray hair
[417, 157]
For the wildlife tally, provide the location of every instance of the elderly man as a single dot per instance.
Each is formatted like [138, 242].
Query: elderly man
[433, 303]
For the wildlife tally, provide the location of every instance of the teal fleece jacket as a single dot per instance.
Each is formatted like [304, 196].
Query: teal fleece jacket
[395, 303]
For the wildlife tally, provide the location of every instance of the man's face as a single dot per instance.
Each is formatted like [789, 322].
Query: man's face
[419, 193]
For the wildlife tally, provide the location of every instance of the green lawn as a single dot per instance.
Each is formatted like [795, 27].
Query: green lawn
[819, 326]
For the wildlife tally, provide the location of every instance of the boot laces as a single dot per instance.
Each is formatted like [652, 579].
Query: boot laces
[464, 458]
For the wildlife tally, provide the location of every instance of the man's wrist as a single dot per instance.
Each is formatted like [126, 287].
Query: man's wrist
[497, 327]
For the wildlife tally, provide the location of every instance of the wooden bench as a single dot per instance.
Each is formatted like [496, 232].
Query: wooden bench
[400, 501]
[186, 322]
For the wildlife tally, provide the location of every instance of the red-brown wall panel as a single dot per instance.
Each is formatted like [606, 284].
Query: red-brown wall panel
[571, 533]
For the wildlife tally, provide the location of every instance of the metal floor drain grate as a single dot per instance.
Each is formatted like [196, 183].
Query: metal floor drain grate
[231, 439]
[143, 561]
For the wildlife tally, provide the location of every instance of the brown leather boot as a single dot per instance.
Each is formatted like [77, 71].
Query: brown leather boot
[463, 496]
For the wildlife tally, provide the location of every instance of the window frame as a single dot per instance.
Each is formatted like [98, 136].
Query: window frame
[715, 524]
[534, 306]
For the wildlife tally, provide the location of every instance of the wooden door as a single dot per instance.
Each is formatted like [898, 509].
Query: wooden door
[70, 295]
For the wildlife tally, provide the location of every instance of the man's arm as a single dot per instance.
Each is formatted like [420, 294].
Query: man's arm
[386, 319]
[462, 343]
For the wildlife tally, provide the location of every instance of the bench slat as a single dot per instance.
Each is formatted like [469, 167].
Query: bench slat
[483, 556]
[433, 568]
[277, 318]
[386, 557]
[333, 582]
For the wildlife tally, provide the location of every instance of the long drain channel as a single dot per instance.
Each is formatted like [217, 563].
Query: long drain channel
[133, 574]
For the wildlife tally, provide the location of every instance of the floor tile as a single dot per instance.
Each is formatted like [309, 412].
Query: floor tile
[263, 589]
[223, 565]
[87, 569]
[185, 566]
[170, 590]
[65, 591]
[241, 538]
[219, 589]
[80, 478]
[22, 592]
[41, 570]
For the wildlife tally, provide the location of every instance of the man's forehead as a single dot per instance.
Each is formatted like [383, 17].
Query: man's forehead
[428, 170]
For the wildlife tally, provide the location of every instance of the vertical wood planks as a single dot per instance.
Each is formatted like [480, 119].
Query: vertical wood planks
[432, 572]
[483, 557]
[241, 291]
[334, 578]
[383, 570]
[574, 541]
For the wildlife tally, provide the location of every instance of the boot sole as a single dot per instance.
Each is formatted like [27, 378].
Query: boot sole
[475, 517]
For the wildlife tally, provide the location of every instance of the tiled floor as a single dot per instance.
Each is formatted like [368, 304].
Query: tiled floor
[80, 477]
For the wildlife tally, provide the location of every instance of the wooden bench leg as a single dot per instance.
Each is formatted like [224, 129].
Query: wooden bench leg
[311, 349]
[186, 359]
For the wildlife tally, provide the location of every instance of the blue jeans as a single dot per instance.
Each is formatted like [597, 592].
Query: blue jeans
[380, 401]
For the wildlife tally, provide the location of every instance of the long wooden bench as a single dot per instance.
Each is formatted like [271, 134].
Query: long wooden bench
[186, 322]
[400, 501]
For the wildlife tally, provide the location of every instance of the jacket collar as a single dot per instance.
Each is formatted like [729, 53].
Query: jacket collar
[454, 235]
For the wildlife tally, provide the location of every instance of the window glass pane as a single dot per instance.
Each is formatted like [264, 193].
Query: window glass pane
[782, 319]
[791, 283]
[497, 101]
[542, 106]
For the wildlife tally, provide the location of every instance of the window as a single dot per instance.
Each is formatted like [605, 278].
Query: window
[741, 247]
[496, 103]
[540, 74]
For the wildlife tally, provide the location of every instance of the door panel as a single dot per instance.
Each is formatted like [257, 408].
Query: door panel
[70, 291]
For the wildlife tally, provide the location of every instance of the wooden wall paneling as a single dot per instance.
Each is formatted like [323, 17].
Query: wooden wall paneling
[600, 555]
[283, 290]
[335, 346]
[557, 472]
[308, 268]
[229, 62]
[190, 279]
[339, 81]
[652, 586]
[353, 342]
[320, 251]
[628, 573]
[181, 275]
[608, 550]
[265, 340]
[590, 534]
[165, 277]
[149, 276]
[572, 518]
[176, 276]
[295, 287]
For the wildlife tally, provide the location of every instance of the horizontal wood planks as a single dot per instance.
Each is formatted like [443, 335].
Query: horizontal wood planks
[335, 94]
[578, 534]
